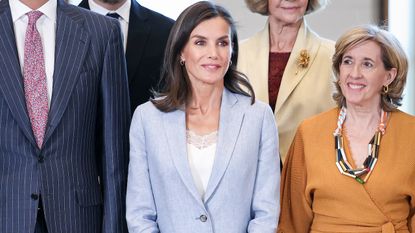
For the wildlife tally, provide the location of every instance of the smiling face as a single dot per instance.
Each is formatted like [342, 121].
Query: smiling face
[208, 52]
[287, 12]
[362, 75]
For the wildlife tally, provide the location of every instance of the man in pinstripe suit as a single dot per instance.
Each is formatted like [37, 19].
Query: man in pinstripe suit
[71, 177]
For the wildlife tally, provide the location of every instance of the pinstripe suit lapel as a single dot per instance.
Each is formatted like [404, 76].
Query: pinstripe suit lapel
[175, 126]
[11, 79]
[231, 119]
[70, 50]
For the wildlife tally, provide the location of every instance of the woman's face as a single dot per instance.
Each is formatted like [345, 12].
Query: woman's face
[363, 75]
[208, 52]
[287, 11]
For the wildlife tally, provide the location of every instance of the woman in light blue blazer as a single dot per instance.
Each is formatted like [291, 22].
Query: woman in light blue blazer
[203, 153]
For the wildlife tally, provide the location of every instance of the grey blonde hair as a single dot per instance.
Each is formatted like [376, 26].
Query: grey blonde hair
[392, 54]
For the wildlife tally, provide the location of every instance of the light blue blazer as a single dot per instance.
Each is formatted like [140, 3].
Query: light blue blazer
[243, 190]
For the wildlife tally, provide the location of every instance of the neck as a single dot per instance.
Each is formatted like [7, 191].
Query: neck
[34, 4]
[363, 117]
[282, 36]
[110, 6]
[205, 98]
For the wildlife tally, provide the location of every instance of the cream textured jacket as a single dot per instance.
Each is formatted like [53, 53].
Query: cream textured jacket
[304, 91]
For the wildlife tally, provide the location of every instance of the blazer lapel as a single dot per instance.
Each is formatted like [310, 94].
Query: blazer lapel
[138, 32]
[175, 128]
[260, 57]
[293, 74]
[231, 119]
[70, 50]
[11, 79]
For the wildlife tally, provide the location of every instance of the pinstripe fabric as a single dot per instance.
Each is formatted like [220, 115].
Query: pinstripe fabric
[82, 173]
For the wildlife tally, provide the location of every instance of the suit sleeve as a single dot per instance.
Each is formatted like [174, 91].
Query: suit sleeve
[141, 210]
[114, 121]
[265, 207]
[296, 213]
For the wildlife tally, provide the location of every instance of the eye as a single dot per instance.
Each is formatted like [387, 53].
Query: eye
[223, 43]
[347, 61]
[367, 64]
[200, 42]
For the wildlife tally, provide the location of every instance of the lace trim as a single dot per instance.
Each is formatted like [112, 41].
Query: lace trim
[201, 141]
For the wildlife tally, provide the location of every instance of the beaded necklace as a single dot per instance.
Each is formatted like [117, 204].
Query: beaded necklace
[361, 175]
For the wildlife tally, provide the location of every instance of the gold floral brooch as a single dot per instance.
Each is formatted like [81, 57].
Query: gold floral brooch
[303, 60]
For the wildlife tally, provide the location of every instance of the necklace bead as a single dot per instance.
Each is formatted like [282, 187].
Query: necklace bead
[361, 175]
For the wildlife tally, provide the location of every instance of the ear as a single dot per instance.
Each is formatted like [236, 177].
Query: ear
[391, 75]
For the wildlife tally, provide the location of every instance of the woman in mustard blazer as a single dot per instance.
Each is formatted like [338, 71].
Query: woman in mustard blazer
[302, 69]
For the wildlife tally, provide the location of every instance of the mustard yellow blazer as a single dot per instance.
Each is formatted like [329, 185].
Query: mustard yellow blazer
[304, 91]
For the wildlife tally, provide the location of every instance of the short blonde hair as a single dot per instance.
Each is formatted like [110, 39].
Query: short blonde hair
[393, 56]
[261, 6]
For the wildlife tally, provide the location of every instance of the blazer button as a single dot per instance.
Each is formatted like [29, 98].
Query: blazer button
[203, 218]
[34, 196]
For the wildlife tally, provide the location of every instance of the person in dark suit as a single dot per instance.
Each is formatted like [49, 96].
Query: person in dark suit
[64, 120]
[145, 34]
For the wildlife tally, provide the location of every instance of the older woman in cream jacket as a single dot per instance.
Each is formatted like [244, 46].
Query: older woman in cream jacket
[288, 65]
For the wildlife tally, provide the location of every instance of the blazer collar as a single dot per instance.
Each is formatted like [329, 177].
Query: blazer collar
[306, 40]
[260, 57]
[11, 79]
[231, 117]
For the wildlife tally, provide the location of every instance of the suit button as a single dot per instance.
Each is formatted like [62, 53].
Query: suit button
[203, 218]
[34, 196]
[41, 159]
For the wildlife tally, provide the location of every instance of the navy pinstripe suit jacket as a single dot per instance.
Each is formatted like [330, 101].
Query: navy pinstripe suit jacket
[81, 169]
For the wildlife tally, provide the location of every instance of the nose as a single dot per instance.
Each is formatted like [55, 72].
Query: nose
[356, 71]
[212, 52]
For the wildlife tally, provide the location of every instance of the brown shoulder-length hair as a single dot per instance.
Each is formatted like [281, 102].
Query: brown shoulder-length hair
[176, 88]
[261, 6]
[392, 54]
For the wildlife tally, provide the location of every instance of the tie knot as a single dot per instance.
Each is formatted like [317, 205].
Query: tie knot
[114, 15]
[34, 16]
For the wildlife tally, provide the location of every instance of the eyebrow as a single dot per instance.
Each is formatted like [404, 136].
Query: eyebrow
[365, 58]
[203, 37]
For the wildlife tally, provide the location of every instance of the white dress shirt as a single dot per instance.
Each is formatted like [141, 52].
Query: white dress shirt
[123, 11]
[45, 25]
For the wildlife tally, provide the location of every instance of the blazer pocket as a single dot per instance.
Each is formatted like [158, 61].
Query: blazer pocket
[89, 196]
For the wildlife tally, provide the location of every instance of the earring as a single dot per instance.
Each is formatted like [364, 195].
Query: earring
[181, 62]
[385, 89]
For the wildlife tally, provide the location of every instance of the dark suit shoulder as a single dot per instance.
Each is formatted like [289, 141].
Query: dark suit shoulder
[152, 17]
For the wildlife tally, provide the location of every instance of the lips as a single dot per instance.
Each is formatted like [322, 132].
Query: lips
[356, 86]
[211, 66]
[290, 8]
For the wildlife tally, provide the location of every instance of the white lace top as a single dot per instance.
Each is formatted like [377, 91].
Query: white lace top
[201, 151]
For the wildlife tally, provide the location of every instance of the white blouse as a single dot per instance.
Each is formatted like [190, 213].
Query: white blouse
[201, 150]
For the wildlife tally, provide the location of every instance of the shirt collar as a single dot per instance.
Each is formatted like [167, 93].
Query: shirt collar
[123, 11]
[18, 9]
